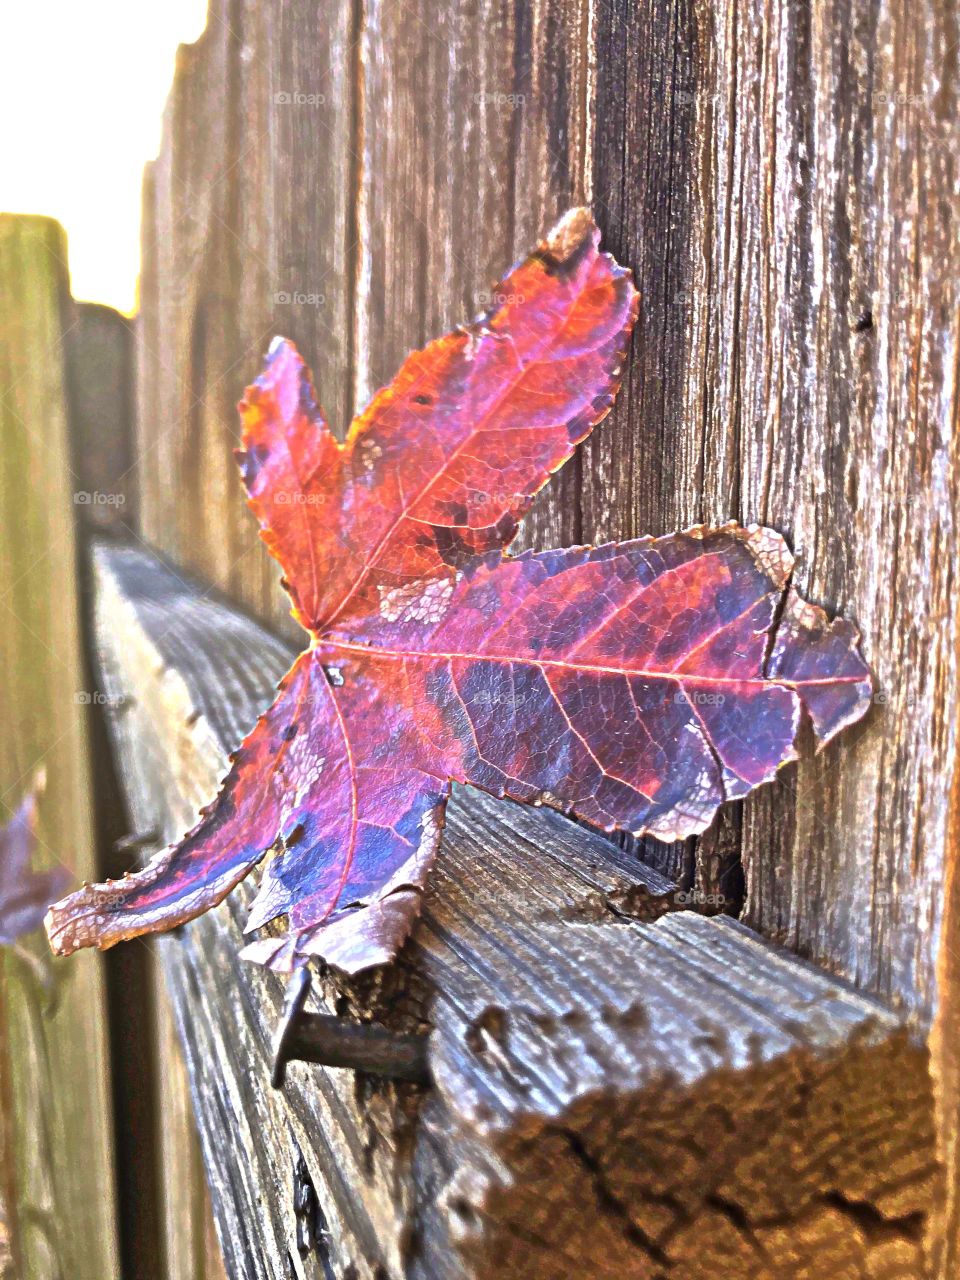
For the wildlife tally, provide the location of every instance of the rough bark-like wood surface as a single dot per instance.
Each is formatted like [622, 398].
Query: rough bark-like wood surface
[56, 1173]
[621, 1088]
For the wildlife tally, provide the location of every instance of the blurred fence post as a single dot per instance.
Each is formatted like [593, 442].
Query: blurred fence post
[56, 1174]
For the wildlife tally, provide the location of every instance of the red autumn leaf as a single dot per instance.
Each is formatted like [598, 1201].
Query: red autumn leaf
[25, 894]
[637, 686]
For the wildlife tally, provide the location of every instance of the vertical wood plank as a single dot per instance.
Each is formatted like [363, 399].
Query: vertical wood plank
[641, 472]
[780, 179]
[810, 233]
[247, 233]
[58, 1174]
[474, 139]
[191, 1249]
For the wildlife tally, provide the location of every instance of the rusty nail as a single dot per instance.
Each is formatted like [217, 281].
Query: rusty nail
[332, 1042]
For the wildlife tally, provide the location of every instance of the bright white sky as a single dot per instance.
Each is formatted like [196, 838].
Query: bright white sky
[82, 91]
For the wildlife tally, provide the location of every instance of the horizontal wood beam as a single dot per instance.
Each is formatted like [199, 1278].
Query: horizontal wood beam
[621, 1088]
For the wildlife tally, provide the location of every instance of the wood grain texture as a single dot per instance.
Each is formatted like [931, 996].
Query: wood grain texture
[811, 385]
[591, 1045]
[473, 141]
[57, 1177]
[247, 232]
[783, 180]
[793, 178]
[191, 1250]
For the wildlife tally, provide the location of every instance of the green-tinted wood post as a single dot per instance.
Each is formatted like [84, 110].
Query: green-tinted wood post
[57, 1174]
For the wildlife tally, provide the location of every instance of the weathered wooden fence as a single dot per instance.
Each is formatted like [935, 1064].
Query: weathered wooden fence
[783, 179]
